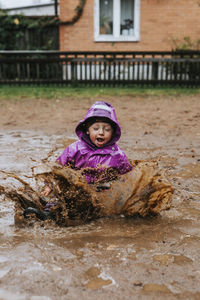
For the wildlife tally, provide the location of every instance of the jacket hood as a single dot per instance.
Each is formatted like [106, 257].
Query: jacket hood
[103, 110]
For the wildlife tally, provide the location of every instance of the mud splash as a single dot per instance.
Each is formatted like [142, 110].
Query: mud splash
[120, 257]
[144, 191]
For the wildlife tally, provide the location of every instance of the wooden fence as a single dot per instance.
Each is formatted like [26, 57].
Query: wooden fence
[100, 68]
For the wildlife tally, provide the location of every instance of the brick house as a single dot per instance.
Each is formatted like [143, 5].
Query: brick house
[129, 25]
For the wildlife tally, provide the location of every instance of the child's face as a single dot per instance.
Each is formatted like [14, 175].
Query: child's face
[100, 133]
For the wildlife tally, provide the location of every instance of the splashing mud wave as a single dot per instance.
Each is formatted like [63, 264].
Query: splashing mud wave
[143, 191]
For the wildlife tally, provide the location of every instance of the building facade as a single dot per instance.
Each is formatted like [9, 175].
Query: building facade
[129, 25]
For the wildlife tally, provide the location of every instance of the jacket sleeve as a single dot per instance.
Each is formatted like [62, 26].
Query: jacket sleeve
[68, 154]
[124, 164]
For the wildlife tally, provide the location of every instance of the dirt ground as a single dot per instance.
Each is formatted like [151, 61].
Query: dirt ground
[137, 115]
[118, 258]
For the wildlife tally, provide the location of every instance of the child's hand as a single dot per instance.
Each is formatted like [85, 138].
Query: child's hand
[46, 191]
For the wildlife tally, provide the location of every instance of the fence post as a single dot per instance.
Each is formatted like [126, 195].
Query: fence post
[155, 70]
[72, 71]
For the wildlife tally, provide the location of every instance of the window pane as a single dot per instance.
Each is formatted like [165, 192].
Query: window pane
[127, 17]
[106, 17]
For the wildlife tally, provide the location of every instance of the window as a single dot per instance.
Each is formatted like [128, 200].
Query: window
[116, 20]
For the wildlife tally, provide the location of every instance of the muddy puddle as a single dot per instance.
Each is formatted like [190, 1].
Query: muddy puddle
[119, 257]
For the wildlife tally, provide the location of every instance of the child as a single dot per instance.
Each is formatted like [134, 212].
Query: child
[96, 150]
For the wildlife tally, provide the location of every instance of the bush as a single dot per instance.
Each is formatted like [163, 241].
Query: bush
[189, 50]
[19, 32]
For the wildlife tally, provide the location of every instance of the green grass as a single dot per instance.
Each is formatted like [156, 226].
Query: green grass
[61, 92]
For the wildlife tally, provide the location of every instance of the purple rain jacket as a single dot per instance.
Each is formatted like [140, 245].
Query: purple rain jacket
[84, 154]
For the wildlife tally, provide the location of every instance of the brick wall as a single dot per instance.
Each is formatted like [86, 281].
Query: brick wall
[161, 21]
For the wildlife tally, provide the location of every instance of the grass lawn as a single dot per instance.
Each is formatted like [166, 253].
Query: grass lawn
[61, 92]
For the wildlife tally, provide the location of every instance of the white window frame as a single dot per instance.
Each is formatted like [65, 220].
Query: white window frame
[116, 37]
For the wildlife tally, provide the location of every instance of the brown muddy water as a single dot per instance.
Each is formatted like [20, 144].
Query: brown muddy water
[116, 258]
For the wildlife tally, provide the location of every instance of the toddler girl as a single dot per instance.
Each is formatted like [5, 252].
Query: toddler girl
[96, 151]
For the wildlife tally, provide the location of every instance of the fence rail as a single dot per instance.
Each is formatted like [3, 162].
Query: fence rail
[96, 68]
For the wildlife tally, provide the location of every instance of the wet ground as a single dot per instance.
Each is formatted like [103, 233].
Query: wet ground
[118, 258]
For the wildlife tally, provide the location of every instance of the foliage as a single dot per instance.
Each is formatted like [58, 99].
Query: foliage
[19, 32]
[186, 44]
[78, 13]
